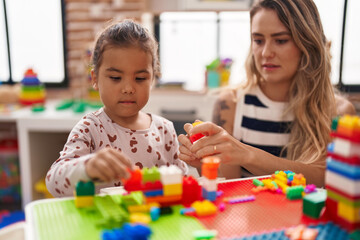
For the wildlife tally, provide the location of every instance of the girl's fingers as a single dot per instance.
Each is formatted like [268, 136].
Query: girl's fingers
[102, 171]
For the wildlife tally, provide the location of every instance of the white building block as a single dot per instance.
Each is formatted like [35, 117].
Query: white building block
[209, 184]
[170, 175]
[346, 148]
[342, 183]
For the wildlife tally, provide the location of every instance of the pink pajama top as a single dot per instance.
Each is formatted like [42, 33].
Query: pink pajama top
[155, 146]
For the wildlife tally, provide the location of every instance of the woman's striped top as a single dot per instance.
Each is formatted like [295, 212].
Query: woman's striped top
[260, 122]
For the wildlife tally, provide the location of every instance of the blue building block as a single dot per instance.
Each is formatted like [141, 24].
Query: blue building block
[328, 231]
[13, 217]
[127, 232]
[344, 169]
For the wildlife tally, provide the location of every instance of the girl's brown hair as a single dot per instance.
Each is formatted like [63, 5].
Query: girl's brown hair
[126, 34]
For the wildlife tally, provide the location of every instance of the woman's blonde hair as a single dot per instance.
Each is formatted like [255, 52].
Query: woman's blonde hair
[311, 95]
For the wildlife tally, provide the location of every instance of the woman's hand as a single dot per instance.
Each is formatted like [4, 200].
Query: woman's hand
[108, 164]
[219, 142]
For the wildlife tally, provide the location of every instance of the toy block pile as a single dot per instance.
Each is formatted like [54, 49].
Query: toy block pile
[291, 184]
[343, 173]
[163, 185]
[32, 90]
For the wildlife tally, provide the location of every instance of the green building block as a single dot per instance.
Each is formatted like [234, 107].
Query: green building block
[79, 106]
[134, 198]
[334, 123]
[151, 174]
[113, 216]
[313, 203]
[257, 182]
[205, 234]
[294, 192]
[85, 188]
[65, 104]
[355, 235]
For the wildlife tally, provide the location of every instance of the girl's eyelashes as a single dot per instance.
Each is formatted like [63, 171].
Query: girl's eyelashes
[115, 78]
[140, 78]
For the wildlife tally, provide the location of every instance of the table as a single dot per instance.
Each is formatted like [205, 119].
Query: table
[60, 219]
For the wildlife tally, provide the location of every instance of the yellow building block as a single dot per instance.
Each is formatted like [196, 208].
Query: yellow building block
[84, 201]
[298, 180]
[204, 208]
[140, 218]
[349, 121]
[281, 185]
[172, 189]
[144, 208]
[350, 213]
[268, 183]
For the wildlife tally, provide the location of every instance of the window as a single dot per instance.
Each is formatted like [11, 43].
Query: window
[4, 64]
[191, 40]
[35, 30]
[351, 58]
[331, 14]
[187, 45]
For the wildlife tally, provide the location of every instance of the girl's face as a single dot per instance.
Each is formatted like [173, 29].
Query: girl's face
[276, 55]
[124, 81]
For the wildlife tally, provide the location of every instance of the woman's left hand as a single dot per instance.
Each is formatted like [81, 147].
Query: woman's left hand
[217, 141]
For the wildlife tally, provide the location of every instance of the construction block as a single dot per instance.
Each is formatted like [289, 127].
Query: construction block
[209, 167]
[112, 215]
[204, 234]
[170, 175]
[128, 231]
[346, 148]
[344, 169]
[342, 198]
[353, 160]
[139, 218]
[204, 208]
[298, 180]
[134, 198]
[209, 184]
[348, 126]
[164, 199]
[85, 188]
[172, 189]
[350, 213]
[134, 183]
[355, 235]
[295, 192]
[142, 208]
[195, 137]
[257, 182]
[191, 190]
[209, 195]
[152, 185]
[239, 199]
[153, 193]
[313, 204]
[84, 201]
[150, 174]
[344, 184]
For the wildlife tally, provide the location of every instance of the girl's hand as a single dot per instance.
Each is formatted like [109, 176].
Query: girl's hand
[108, 164]
[185, 145]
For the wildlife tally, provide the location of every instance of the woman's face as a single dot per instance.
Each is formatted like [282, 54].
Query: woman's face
[276, 55]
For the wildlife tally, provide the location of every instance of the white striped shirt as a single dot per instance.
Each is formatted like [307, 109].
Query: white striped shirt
[260, 122]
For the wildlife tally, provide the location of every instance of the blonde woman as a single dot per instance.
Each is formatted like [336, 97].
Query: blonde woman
[281, 118]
